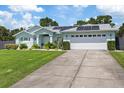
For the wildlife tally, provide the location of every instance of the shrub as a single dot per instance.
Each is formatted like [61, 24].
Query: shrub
[35, 46]
[111, 45]
[66, 45]
[46, 46]
[23, 46]
[11, 46]
[57, 44]
[50, 46]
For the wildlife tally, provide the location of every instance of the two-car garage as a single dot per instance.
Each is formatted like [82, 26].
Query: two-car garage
[90, 36]
[90, 41]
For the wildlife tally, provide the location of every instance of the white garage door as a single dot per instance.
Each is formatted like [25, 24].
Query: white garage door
[88, 42]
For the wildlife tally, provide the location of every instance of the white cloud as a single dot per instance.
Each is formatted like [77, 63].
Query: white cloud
[25, 22]
[37, 17]
[6, 14]
[62, 7]
[70, 13]
[26, 8]
[7, 19]
[80, 6]
[11, 21]
[22, 23]
[65, 7]
[112, 9]
[27, 17]
[74, 10]
[87, 19]
[53, 19]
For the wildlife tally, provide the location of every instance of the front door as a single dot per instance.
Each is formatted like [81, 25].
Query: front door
[46, 39]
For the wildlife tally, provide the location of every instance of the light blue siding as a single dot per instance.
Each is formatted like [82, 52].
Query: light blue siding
[24, 35]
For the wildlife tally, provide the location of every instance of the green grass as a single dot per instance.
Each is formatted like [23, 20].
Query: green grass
[15, 65]
[119, 56]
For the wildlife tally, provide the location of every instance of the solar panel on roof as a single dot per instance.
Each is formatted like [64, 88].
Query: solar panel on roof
[56, 28]
[63, 28]
[67, 27]
[84, 28]
[95, 27]
[88, 28]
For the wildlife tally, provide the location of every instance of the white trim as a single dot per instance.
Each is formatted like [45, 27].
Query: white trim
[22, 32]
[41, 29]
[36, 30]
[89, 31]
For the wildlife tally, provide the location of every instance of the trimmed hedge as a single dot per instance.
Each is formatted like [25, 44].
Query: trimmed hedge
[11, 46]
[35, 46]
[23, 46]
[50, 46]
[111, 45]
[66, 45]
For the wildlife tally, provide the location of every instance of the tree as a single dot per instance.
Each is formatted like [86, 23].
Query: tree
[105, 19]
[14, 31]
[4, 33]
[81, 22]
[112, 24]
[92, 21]
[48, 22]
[54, 23]
[121, 31]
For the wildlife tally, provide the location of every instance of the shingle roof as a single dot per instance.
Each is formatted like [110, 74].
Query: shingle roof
[32, 29]
[100, 27]
[58, 29]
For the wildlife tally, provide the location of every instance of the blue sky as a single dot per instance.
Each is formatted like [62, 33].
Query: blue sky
[17, 16]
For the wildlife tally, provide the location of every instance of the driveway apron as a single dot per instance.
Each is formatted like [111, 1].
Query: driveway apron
[77, 68]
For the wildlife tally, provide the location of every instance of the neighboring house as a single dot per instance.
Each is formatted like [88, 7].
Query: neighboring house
[90, 36]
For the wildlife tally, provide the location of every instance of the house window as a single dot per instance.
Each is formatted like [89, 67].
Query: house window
[99, 35]
[77, 35]
[21, 39]
[103, 35]
[34, 38]
[85, 35]
[89, 35]
[72, 35]
[25, 39]
[66, 35]
[94, 35]
[110, 34]
[81, 35]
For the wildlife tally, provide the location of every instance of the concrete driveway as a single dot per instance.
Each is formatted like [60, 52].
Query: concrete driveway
[77, 68]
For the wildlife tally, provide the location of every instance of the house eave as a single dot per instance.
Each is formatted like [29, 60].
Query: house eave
[22, 32]
[90, 31]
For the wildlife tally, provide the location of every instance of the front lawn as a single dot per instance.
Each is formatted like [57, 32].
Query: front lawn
[15, 65]
[119, 56]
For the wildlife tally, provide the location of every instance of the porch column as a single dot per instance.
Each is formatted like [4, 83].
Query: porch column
[37, 39]
[51, 38]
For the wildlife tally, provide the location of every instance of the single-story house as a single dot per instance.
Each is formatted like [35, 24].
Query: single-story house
[90, 36]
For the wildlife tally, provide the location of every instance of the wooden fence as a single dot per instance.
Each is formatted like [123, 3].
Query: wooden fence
[2, 43]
